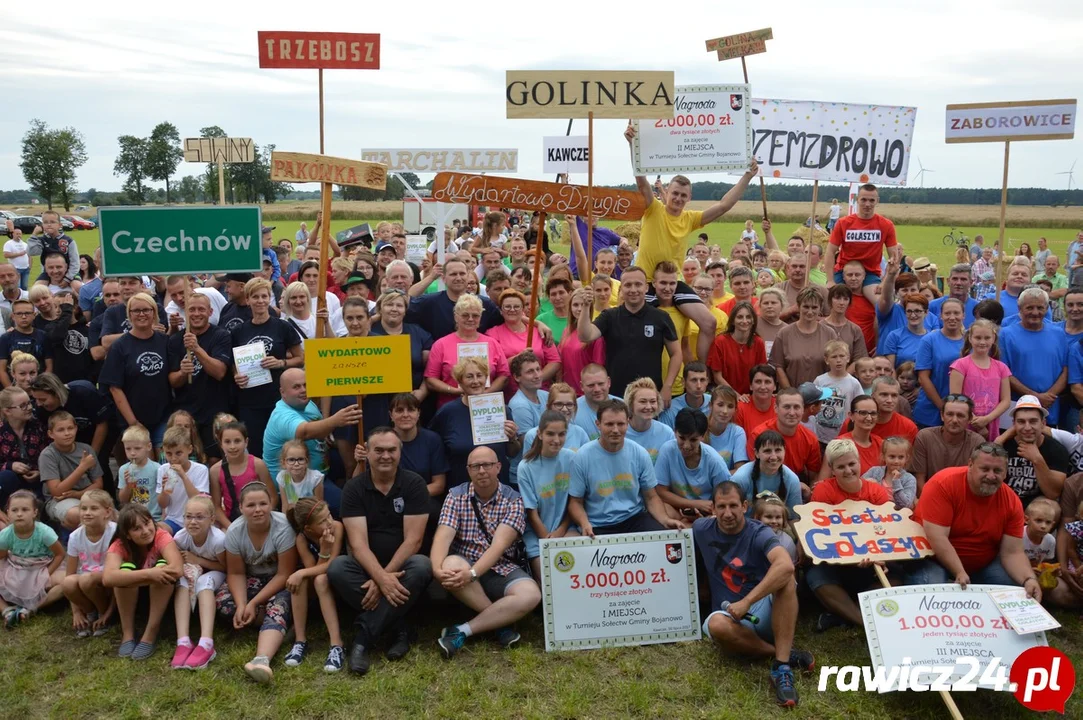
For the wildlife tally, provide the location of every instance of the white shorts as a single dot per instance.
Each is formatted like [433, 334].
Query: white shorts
[57, 509]
[209, 580]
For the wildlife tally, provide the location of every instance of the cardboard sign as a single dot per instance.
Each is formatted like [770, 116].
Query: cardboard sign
[739, 39]
[218, 149]
[574, 93]
[487, 417]
[440, 160]
[358, 365]
[614, 590]
[849, 532]
[536, 195]
[319, 50]
[1025, 614]
[303, 167]
[830, 141]
[736, 51]
[565, 154]
[710, 132]
[999, 121]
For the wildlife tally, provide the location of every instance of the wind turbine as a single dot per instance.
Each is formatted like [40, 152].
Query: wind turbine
[1070, 174]
[921, 173]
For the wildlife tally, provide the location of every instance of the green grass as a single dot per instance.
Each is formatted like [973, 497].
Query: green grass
[49, 673]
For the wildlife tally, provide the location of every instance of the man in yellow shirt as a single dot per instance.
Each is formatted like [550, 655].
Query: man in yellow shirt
[665, 285]
[663, 231]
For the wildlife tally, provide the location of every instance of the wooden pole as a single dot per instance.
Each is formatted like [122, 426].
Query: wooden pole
[534, 290]
[815, 196]
[321, 110]
[949, 701]
[763, 186]
[221, 184]
[590, 193]
[325, 241]
[187, 296]
[1001, 256]
[360, 435]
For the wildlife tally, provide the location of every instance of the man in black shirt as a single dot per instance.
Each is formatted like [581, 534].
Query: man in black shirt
[384, 510]
[110, 296]
[635, 336]
[236, 311]
[1037, 465]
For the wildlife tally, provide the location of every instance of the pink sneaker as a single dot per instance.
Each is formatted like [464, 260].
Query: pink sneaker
[180, 656]
[200, 658]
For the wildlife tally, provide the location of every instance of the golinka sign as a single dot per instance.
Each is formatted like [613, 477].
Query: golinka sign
[171, 240]
[536, 195]
[319, 50]
[573, 94]
[852, 531]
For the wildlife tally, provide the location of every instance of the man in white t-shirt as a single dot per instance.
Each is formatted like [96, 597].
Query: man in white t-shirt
[174, 310]
[17, 253]
[833, 216]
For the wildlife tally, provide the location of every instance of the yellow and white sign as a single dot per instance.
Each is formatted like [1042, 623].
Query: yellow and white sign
[358, 365]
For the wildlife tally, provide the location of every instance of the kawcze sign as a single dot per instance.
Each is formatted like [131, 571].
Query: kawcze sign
[319, 50]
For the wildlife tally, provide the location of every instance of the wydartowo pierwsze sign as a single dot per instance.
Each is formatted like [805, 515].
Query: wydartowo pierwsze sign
[357, 365]
[851, 531]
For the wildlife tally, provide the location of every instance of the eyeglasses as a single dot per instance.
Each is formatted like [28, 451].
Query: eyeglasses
[296, 459]
[140, 311]
[867, 413]
[915, 311]
[23, 313]
[563, 406]
[196, 518]
[475, 467]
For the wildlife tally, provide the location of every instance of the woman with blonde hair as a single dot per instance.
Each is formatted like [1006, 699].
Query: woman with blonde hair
[297, 311]
[645, 402]
[450, 349]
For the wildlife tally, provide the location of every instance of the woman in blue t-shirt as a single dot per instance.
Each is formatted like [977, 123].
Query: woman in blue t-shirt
[936, 353]
[643, 399]
[543, 477]
[767, 472]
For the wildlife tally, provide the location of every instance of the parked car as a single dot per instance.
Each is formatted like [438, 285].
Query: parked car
[66, 224]
[81, 208]
[79, 222]
[26, 223]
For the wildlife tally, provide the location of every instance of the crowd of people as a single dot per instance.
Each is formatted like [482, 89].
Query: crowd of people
[652, 389]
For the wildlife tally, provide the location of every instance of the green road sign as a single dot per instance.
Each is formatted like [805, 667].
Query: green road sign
[180, 240]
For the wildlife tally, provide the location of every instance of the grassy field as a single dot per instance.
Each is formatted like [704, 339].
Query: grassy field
[49, 673]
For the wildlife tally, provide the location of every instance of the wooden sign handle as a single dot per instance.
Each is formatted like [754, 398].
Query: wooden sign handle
[187, 320]
[1001, 256]
[325, 238]
[590, 195]
[360, 435]
[536, 282]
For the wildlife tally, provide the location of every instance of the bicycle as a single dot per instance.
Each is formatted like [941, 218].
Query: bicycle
[950, 239]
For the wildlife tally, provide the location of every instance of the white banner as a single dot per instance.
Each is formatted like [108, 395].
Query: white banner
[938, 625]
[633, 589]
[565, 154]
[828, 141]
[994, 122]
[710, 131]
[431, 160]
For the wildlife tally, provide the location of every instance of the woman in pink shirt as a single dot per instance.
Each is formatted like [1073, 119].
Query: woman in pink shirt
[446, 353]
[980, 375]
[511, 336]
[574, 355]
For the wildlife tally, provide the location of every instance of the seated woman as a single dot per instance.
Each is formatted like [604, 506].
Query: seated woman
[22, 438]
[451, 349]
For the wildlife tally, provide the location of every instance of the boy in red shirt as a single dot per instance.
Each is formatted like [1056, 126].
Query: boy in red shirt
[862, 237]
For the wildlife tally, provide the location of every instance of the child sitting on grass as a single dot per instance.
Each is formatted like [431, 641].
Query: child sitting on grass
[30, 560]
[1039, 543]
[68, 469]
[137, 479]
[895, 454]
[296, 479]
[91, 604]
[181, 479]
[772, 512]
[203, 549]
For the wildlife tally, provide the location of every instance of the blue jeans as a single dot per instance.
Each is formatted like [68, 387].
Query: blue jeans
[930, 572]
[11, 481]
[24, 277]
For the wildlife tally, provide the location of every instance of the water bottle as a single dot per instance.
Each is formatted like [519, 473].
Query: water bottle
[748, 616]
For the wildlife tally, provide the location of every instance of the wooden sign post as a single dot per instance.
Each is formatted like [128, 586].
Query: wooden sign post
[1005, 122]
[289, 49]
[219, 150]
[542, 198]
[739, 45]
[576, 94]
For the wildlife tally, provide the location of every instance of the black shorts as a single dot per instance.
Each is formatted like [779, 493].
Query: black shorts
[210, 442]
[643, 522]
[683, 295]
[496, 585]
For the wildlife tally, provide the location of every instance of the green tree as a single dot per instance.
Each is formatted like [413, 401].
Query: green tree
[132, 162]
[50, 159]
[189, 189]
[163, 154]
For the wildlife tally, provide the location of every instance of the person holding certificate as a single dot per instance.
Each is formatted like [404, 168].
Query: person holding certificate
[449, 350]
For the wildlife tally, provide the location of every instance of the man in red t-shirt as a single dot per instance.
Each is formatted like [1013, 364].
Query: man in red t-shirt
[802, 447]
[863, 237]
[975, 524]
[889, 423]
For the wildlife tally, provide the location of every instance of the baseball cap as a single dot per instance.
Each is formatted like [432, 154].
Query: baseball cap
[355, 278]
[922, 263]
[1029, 402]
[268, 228]
[238, 277]
[380, 247]
[988, 276]
[811, 394]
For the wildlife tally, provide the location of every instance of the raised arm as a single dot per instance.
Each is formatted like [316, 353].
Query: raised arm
[730, 199]
[642, 184]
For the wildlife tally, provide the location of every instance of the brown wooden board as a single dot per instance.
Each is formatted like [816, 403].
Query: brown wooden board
[739, 39]
[319, 50]
[536, 195]
[303, 167]
[852, 531]
[574, 93]
[736, 51]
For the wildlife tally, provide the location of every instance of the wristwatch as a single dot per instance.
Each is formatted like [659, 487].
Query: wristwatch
[473, 574]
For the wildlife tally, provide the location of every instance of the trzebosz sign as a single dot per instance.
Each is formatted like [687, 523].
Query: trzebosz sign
[574, 93]
[998, 121]
[180, 241]
[319, 50]
[832, 141]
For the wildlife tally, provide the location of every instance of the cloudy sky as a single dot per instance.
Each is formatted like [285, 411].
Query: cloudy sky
[121, 67]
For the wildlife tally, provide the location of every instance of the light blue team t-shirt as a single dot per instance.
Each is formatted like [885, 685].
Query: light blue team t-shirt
[936, 354]
[932, 318]
[690, 483]
[903, 344]
[587, 418]
[669, 416]
[731, 445]
[611, 484]
[1036, 358]
[36, 546]
[525, 414]
[144, 481]
[282, 427]
[575, 439]
[543, 483]
[652, 439]
[787, 478]
[893, 320]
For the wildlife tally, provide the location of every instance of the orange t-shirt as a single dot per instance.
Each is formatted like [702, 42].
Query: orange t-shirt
[978, 524]
[802, 448]
[897, 426]
[154, 552]
[863, 240]
[749, 417]
[863, 314]
[828, 491]
[870, 456]
[727, 306]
